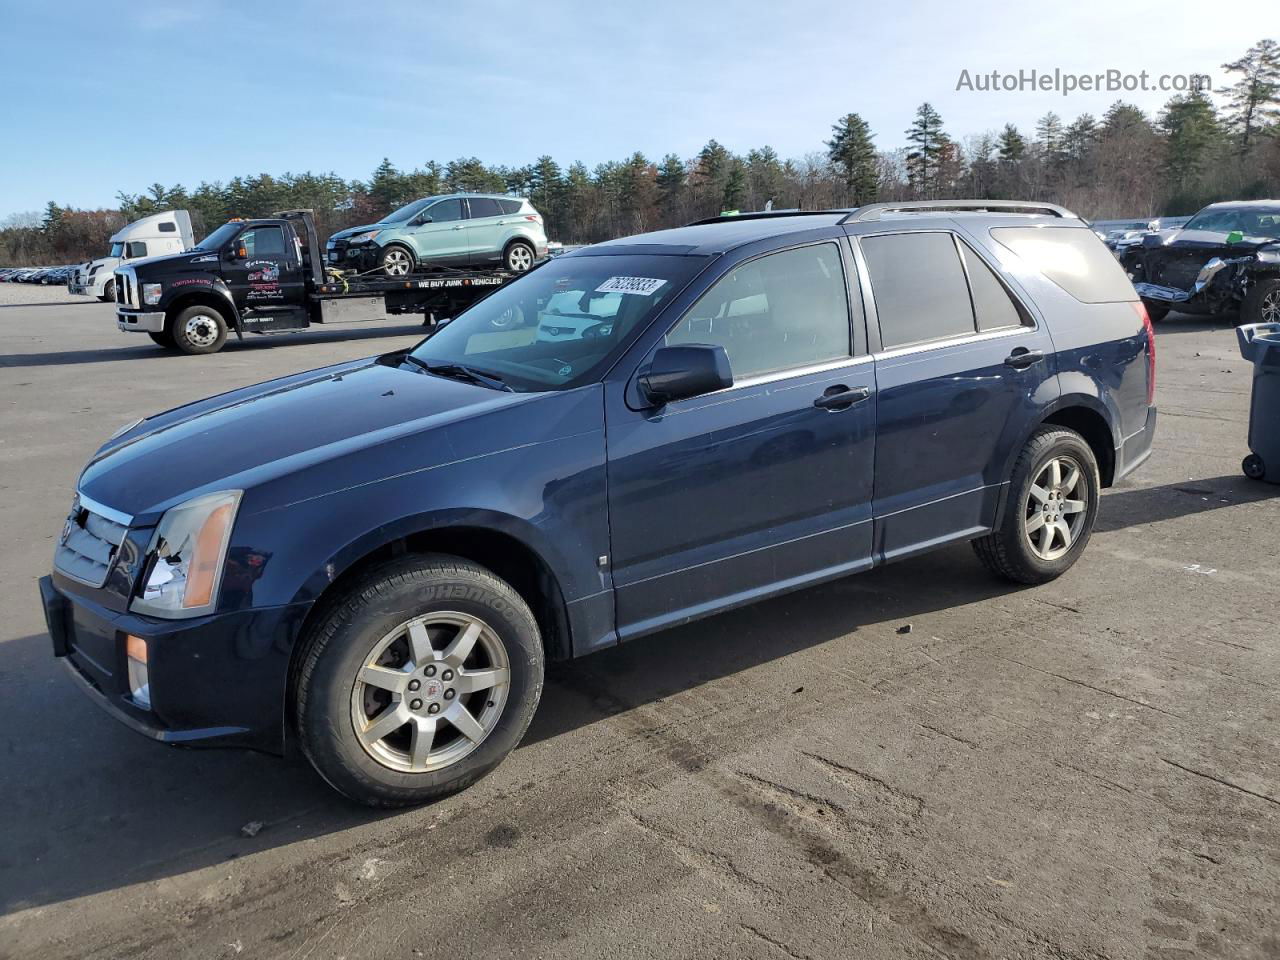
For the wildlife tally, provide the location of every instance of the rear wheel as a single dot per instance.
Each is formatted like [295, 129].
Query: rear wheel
[518, 257]
[1052, 506]
[419, 681]
[1262, 305]
[198, 329]
[396, 262]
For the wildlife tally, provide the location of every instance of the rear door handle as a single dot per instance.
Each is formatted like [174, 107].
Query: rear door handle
[841, 397]
[1021, 358]
[458, 227]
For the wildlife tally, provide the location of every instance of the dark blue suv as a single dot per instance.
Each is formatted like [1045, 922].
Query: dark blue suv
[381, 555]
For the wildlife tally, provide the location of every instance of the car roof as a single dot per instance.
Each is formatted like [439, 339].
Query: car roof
[718, 236]
[1241, 204]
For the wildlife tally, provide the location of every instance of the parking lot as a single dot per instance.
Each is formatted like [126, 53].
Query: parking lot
[922, 761]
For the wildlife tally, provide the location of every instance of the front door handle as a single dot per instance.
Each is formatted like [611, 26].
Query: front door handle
[841, 397]
[458, 227]
[1021, 358]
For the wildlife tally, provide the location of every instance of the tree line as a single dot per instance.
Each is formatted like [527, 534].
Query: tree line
[1123, 164]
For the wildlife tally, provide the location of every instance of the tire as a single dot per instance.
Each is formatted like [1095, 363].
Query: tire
[1008, 550]
[519, 256]
[1156, 311]
[1253, 467]
[162, 338]
[108, 292]
[1262, 304]
[396, 261]
[198, 329]
[372, 623]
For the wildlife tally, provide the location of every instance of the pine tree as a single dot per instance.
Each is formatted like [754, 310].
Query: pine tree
[671, 189]
[1079, 137]
[766, 178]
[1255, 97]
[1049, 137]
[1193, 136]
[1011, 145]
[735, 186]
[928, 142]
[851, 152]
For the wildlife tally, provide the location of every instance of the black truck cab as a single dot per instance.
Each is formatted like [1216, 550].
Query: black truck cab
[267, 275]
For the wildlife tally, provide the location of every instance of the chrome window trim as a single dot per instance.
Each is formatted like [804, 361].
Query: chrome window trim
[938, 344]
[790, 372]
[102, 510]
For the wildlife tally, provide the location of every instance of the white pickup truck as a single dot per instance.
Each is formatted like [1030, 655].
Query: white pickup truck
[156, 235]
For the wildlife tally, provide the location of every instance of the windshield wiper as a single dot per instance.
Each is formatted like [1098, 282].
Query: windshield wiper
[457, 371]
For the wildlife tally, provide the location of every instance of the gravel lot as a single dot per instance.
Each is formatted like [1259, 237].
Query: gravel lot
[37, 294]
[1083, 770]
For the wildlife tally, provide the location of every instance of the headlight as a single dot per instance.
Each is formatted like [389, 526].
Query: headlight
[186, 557]
[363, 237]
[94, 269]
[151, 293]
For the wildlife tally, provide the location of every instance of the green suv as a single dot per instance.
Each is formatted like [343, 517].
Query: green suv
[453, 230]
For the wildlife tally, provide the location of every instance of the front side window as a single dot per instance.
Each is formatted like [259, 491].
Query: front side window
[445, 211]
[783, 310]
[136, 248]
[263, 242]
[563, 324]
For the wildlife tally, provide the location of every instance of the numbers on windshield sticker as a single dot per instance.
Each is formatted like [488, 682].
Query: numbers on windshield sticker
[640, 286]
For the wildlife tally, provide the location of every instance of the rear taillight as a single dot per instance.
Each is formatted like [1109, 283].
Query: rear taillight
[1141, 310]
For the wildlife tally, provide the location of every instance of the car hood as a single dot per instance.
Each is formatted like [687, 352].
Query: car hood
[1216, 240]
[352, 231]
[170, 263]
[252, 436]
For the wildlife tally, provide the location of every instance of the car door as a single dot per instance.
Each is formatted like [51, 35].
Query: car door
[963, 370]
[265, 274]
[722, 498]
[442, 239]
[485, 231]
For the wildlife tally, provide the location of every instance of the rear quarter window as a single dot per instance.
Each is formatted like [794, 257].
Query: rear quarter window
[1073, 258]
[511, 206]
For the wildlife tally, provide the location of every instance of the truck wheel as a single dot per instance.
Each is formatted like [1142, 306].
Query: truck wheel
[162, 338]
[418, 681]
[1052, 506]
[518, 257]
[108, 292]
[1262, 304]
[198, 329]
[396, 262]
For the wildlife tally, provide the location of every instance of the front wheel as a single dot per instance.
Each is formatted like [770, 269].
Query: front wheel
[419, 681]
[1262, 304]
[519, 257]
[198, 330]
[108, 292]
[396, 262]
[1050, 513]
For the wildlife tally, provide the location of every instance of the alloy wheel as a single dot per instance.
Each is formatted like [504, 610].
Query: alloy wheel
[396, 263]
[430, 692]
[1271, 307]
[519, 258]
[1055, 508]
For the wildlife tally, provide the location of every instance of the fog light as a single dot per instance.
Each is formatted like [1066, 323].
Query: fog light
[135, 649]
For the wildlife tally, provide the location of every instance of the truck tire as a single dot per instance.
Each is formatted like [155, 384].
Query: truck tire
[198, 329]
[1052, 506]
[162, 338]
[518, 257]
[417, 681]
[396, 261]
[108, 292]
[1262, 304]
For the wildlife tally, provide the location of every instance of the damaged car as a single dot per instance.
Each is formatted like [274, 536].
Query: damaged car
[1225, 260]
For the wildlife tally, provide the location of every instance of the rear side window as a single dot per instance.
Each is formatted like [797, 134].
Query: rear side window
[1073, 258]
[919, 286]
[167, 227]
[511, 206]
[779, 311]
[991, 302]
[484, 207]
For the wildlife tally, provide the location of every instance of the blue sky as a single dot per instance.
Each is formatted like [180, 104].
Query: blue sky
[102, 97]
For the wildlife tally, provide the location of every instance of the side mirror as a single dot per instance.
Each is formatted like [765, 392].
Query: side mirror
[689, 370]
[420, 219]
[1152, 240]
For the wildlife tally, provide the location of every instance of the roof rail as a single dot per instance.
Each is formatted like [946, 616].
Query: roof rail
[765, 215]
[873, 211]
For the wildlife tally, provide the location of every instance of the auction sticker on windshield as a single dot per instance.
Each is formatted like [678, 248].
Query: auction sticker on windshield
[640, 286]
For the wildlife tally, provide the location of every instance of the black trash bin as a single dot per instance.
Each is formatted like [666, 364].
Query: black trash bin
[1260, 345]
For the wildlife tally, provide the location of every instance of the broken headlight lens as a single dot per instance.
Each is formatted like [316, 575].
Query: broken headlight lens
[186, 557]
[363, 237]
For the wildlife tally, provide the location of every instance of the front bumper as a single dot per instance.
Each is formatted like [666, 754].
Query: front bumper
[128, 318]
[81, 289]
[214, 681]
[359, 256]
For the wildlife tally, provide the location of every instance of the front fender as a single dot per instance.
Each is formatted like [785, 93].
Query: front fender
[180, 293]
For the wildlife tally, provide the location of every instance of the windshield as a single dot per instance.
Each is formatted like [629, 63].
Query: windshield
[117, 250]
[561, 325]
[1250, 221]
[220, 236]
[407, 211]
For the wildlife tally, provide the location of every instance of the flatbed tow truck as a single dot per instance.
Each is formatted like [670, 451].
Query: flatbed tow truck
[268, 275]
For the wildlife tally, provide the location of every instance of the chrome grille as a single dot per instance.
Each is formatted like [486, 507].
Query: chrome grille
[88, 544]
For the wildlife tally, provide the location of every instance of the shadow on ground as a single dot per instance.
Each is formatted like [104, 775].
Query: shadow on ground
[148, 812]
